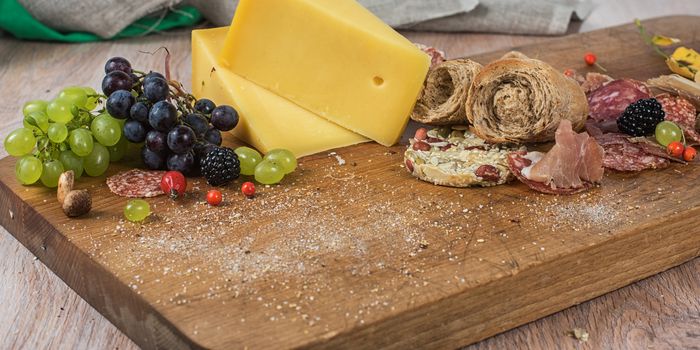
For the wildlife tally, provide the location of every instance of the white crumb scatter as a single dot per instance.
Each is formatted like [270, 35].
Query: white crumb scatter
[338, 158]
[286, 253]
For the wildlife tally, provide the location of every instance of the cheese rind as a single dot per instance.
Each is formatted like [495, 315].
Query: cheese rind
[333, 58]
[267, 121]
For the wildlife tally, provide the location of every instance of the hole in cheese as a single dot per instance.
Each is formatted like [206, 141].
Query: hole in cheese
[378, 81]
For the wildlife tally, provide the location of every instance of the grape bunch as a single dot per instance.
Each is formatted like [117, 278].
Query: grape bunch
[65, 133]
[176, 130]
[83, 130]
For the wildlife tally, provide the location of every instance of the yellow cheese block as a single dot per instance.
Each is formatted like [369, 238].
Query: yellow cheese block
[332, 57]
[267, 121]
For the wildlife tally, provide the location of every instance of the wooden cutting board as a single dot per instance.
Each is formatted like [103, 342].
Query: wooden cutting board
[351, 251]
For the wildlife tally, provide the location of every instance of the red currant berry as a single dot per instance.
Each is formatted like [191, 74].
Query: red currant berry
[689, 154]
[675, 149]
[214, 197]
[248, 189]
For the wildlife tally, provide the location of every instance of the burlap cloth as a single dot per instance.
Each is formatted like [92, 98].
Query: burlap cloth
[542, 17]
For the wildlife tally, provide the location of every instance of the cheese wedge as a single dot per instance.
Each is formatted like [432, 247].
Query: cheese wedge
[267, 121]
[331, 57]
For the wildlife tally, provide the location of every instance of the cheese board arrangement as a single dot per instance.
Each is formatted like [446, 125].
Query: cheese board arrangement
[284, 202]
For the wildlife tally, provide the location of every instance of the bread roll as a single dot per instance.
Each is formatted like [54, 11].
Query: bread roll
[445, 93]
[519, 100]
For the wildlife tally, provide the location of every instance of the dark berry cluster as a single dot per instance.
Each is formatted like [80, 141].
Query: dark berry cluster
[177, 130]
[640, 118]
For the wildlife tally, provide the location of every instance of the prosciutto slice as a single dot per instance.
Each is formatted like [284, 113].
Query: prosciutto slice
[573, 164]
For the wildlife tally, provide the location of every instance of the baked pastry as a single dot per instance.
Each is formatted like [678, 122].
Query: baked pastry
[445, 92]
[518, 99]
[455, 157]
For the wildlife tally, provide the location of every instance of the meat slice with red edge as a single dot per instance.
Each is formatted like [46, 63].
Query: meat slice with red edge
[681, 112]
[609, 101]
[574, 164]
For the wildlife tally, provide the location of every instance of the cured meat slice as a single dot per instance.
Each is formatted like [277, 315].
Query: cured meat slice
[136, 183]
[573, 164]
[593, 81]
[610, 100]
[681, 112]
[521, 160]
[623, 153]
[436, 56]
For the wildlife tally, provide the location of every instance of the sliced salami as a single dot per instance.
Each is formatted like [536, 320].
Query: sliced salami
[622, 154]
[436, 56]
[681, 112]
[610, 100]
[517, 161]
[136, 183]
[593, 81]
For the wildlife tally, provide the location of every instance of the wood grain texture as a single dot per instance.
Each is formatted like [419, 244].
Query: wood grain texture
[608, 318]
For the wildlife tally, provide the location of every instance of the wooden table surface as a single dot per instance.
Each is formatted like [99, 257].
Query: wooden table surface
[40, 311]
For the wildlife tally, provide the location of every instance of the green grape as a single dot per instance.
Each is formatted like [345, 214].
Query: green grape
[80, 141]
[75, 95]
[92, 98]
[268, 172]
[71, 161]
[97, 162]
[37, 118]
[34, 106]
[20, 142]
[137, 210]
[667, 132]
[283, 158]
[58, 132]
[249, 158]
[106, 130]
[118, 151]
[61, 111]
[28, 170]
[49, 175]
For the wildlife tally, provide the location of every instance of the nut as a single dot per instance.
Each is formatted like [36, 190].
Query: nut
[77, 203]
[65, 185]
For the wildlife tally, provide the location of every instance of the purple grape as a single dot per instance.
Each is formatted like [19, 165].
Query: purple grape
[204, 106]
[155, 89]
[224, 118]
[181, 139]
[134, 131]
[198, 123]
[119, 104]
[116, 80]
[139, 111]
[183, 163]
[163, 116]
[153, 160]
[117, 64]
[156, 141]
[213, 136]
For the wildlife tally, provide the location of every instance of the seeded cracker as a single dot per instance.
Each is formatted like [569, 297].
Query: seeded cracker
[456, 157]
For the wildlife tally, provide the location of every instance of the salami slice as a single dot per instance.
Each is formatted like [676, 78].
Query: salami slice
[681, 112]
[622, 154]
[517, 161]
[610, 100]
[436, 56]
[136, 183]
[593, 81]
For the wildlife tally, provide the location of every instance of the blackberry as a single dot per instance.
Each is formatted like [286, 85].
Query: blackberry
[220, 166]
[640, 118]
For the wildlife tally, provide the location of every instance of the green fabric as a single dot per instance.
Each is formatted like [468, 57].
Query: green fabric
[16, 20]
